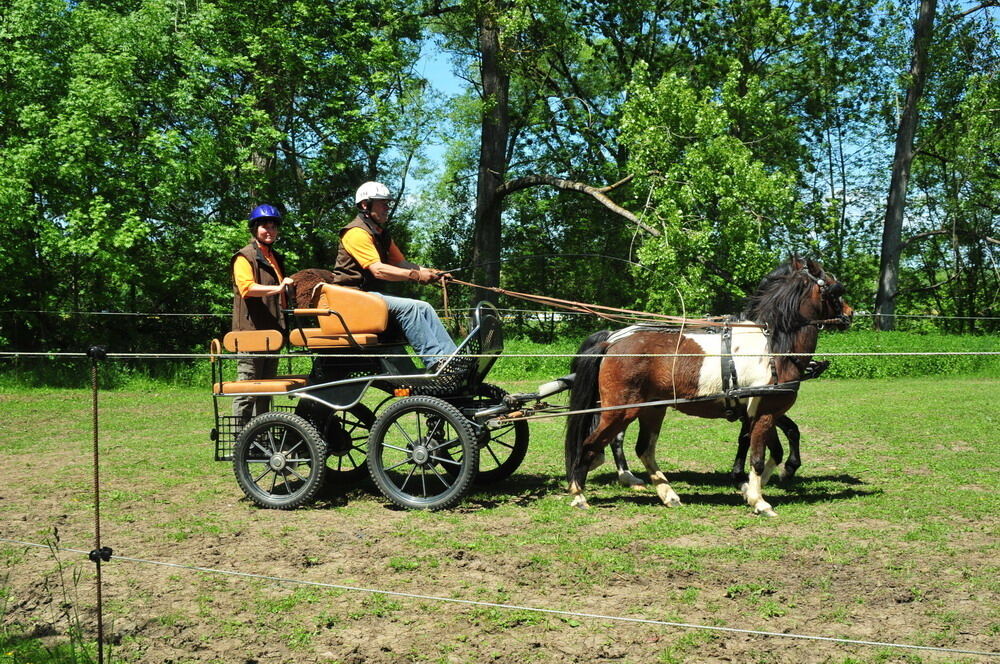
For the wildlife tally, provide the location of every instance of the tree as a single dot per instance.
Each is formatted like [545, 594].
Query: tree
[137, 136]
[885, 300]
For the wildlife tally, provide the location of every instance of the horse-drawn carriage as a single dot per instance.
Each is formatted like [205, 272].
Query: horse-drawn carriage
[428, 439]
[435, 434]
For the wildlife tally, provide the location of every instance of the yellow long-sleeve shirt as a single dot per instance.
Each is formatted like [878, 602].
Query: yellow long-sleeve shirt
[243, 271]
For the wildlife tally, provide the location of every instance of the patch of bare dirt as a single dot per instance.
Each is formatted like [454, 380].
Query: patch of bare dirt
[521, 550]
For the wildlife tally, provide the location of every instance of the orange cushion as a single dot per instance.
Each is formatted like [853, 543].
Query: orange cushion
[279, 384]
[316, 338]
[253, 341]
[365, 313]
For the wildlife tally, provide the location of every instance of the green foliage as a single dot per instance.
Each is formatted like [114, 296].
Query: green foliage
[897, 366]
[136, 137]
[717, 206]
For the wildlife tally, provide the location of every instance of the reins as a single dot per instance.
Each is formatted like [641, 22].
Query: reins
[619, 315]
[601, 311]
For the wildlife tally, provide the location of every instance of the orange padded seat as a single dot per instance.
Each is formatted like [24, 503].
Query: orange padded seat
[279, 384]
[317, 339]
[364, 313]
[253, 341]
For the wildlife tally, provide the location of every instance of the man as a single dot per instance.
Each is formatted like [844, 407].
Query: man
[368, 257]
[258, 297]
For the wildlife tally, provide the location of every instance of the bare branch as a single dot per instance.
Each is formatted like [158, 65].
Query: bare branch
[597, 193]
[982, 5]
[921, 236]
[939, 284]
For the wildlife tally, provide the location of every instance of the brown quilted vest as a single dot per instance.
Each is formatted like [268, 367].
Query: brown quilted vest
[347, 271]
[257, 313]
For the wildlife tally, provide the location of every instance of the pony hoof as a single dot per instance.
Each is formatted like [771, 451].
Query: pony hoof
[769, 512]
[673, 502]
[580, 503]
[631, 480]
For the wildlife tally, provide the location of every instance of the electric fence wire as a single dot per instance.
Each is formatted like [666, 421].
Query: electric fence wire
[541, 313]
[224, 356]
[518, 607]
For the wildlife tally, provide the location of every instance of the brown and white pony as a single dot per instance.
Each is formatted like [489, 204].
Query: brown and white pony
[738, 473]
[784, 316]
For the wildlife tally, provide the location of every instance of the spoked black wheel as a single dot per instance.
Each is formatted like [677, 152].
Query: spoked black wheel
[501, 450]
[279, 460]
[422, 453]
[346, 435]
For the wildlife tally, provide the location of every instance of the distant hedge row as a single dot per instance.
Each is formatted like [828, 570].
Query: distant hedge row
[528, 360]
[854, 341]
[867, 341]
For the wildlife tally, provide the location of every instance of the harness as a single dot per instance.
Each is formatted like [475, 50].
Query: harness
[732, 395]
[732, 407]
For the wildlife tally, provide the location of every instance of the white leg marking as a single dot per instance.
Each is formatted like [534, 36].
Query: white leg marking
[754, 497]
[769, 467]
[667, 495]
[626, 478]
[579, 501]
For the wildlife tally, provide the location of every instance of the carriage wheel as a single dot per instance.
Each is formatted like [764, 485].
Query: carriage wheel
[279, 460]
[422, 453]
[501, 450]
[346, 435]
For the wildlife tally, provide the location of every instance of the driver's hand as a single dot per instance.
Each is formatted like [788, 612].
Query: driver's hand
[426, 275]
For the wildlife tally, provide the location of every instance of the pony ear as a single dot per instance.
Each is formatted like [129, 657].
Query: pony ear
[795, 263]
[815, 269]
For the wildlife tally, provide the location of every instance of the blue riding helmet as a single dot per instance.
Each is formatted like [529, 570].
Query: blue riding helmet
[263, 213]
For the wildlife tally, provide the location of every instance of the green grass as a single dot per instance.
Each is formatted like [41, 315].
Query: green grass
[897, 479]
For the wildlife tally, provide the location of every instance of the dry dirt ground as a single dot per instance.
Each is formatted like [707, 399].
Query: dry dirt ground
[828, 566]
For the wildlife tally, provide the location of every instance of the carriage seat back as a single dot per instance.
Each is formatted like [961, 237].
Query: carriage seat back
[253, 341]
[343, 313]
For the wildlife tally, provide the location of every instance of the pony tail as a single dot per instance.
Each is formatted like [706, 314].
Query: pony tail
[588, 343]
[587, 366]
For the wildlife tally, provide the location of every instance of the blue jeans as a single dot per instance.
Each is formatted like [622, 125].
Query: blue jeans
[422, 327]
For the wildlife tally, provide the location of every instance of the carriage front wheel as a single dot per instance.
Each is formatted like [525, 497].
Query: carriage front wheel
[279, 460]
[501, 449]
[422, 453]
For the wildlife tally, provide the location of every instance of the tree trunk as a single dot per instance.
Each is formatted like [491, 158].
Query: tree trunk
[493, 149]
[892, 245]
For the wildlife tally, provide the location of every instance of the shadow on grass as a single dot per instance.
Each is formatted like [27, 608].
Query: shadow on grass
[694, 487]
[524, 489]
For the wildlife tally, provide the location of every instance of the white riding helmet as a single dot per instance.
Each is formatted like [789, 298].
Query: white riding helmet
[372, 191]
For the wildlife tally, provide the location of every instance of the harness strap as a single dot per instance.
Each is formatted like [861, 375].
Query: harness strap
[733, 409]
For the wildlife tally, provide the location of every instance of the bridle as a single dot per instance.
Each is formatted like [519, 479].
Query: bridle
[828, 292]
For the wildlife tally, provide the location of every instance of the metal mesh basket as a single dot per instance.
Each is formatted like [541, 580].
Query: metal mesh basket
[227, 430]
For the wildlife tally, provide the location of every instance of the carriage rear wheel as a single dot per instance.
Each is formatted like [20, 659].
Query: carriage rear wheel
[501, 450]
[279, 460]
[345, 433]
[422, 453]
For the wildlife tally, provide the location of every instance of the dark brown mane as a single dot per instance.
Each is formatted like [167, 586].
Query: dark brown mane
[777, 302]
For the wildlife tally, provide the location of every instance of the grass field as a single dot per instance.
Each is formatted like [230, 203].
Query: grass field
[888, 534]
